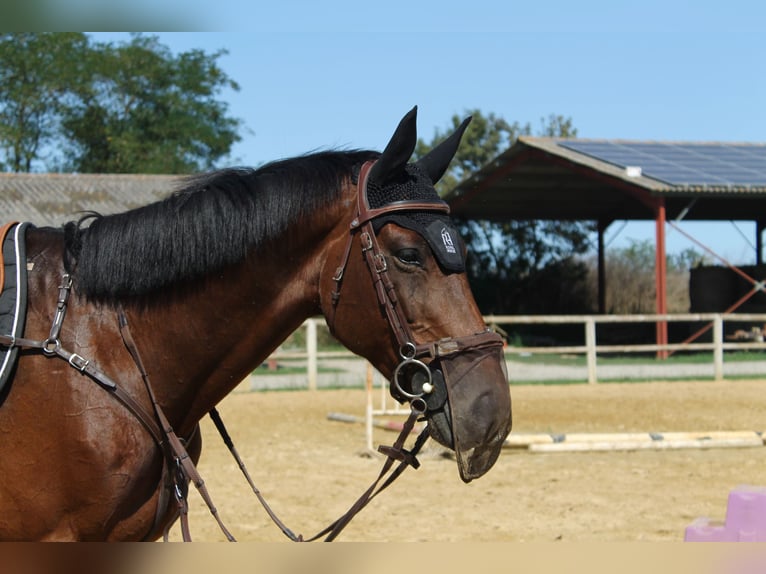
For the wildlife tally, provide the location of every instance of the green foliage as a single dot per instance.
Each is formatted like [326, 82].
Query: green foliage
[132, 107]
[630, 279]
[37, 73]
[508, 259]
[639, 254]
[485, 138]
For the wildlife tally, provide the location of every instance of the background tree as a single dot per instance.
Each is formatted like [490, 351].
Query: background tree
[148, 111]
[526, 266]
[630, 281]
[70, 104]
[37, 73]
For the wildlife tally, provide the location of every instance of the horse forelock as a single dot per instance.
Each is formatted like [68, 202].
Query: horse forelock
[210, 221]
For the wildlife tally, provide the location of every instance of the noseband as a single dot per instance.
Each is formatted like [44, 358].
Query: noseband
[420, 389]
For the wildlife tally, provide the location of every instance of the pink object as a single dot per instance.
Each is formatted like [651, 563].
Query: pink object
[745, 519]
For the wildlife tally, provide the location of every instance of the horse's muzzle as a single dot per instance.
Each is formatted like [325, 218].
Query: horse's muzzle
[468, 403]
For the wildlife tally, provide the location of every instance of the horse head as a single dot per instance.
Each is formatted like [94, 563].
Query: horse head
[401, 275]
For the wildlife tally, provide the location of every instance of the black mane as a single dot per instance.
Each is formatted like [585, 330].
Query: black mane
[210, 221]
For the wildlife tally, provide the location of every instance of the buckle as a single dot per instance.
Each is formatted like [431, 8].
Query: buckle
[78, 362]
[380, 262]
[400, 454]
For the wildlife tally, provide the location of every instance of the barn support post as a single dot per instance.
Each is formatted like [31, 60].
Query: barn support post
[602, 227]
[660, 276]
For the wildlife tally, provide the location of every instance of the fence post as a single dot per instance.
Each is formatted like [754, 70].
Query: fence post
[590, 352]
[311, 351]
[718, 347]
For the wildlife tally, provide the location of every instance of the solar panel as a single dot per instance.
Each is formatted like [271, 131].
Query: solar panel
[682, 163]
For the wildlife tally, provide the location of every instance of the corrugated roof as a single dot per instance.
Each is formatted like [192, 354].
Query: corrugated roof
[553, 178]
[54, 199]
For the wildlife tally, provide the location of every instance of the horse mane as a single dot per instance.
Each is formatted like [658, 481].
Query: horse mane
[210, 221]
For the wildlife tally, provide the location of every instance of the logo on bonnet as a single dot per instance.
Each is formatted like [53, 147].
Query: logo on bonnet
[447, 240]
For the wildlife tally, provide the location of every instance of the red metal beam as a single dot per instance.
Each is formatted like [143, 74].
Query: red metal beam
[734, 306]
[660, 276]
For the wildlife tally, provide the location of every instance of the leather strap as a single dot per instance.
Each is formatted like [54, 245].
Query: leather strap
[178, 452]
[374, 256]
[393, 453]
[86, 367]
[384, 287]
[175, 454]
[218, 422]
[366, 214]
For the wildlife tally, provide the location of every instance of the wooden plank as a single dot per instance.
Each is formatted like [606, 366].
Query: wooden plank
[520, 440]
[644, 445]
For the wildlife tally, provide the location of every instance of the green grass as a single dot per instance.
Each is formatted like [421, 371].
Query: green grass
[574, 360]
[290, 370]
[634, 359]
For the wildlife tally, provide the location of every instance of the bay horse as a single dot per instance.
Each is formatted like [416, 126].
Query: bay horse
[164, 309]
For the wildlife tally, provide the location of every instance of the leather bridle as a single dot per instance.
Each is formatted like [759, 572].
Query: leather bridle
[410, 352]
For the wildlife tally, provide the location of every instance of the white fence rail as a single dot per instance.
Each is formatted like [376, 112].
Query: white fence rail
[590, 349]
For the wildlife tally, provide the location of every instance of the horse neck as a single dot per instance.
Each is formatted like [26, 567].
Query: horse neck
[202, 344]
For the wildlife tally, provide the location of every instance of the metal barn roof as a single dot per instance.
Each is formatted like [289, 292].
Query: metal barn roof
[54, 199]
[607, 180]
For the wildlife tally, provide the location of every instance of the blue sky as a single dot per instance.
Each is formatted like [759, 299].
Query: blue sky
[315, 75]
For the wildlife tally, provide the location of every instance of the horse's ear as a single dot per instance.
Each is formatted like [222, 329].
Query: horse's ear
[398, 151]
[436, 161]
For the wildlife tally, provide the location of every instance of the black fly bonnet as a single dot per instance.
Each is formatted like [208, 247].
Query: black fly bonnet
[435, 227]
[434, 374]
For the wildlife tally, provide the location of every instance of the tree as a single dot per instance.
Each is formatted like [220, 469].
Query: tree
[630, 280]
[147, 111]
[37, 71]
[507, 259]
[130, 107]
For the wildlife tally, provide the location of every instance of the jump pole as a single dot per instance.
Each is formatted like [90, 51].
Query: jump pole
[600, 442]
[641, 445]
[371, 422]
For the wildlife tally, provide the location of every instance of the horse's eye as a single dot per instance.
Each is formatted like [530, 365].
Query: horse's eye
[409, 257]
